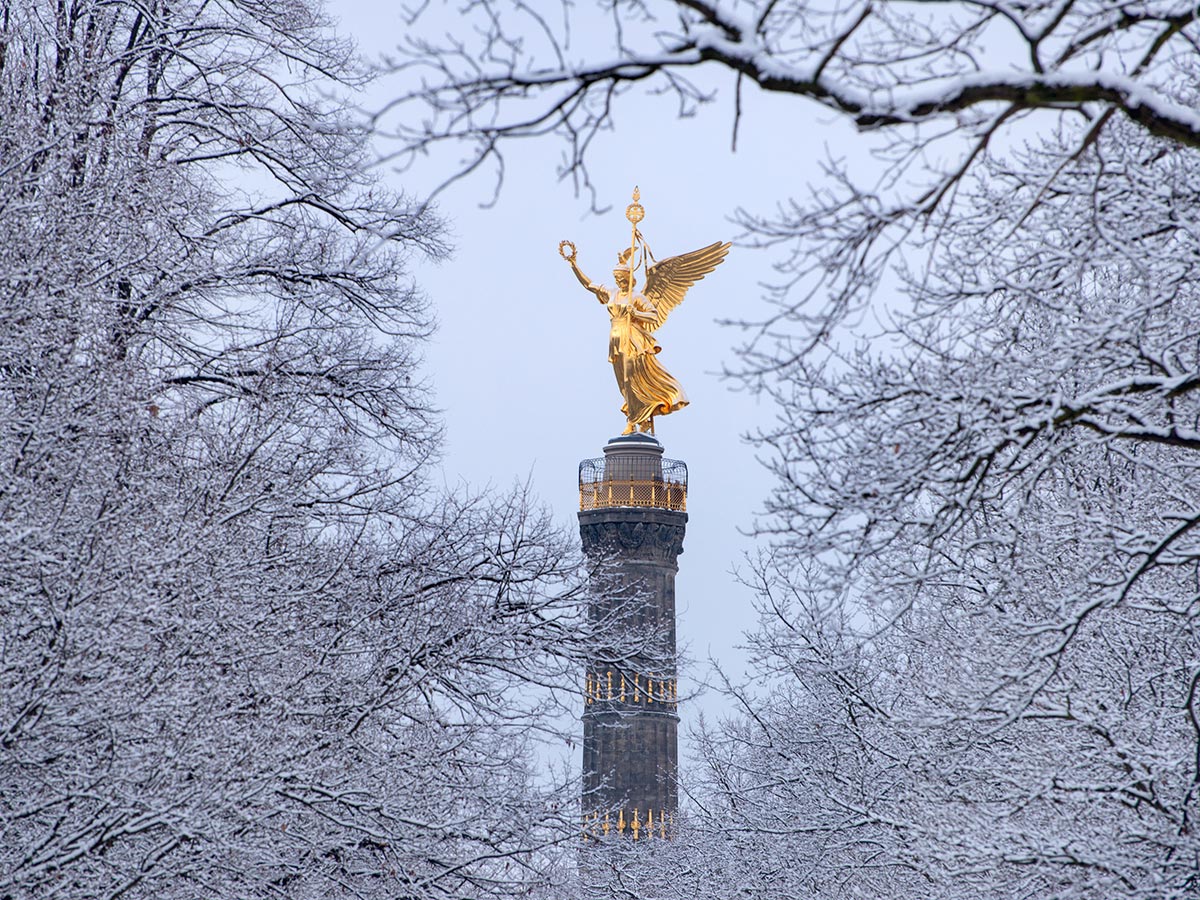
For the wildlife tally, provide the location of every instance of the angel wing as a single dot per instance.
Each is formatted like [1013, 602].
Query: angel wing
[668, 281]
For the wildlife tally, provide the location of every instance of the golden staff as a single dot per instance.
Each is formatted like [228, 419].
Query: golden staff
[634, 212]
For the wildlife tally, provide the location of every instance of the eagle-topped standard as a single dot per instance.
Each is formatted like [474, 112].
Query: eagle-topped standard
[648, 389]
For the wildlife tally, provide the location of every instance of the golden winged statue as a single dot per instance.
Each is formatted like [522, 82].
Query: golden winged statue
[648, 389]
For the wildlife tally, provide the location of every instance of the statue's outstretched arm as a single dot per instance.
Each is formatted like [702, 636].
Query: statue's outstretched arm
[601, 294]
[569, 256]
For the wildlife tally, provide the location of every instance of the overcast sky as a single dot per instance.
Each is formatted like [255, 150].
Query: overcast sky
[519, 362]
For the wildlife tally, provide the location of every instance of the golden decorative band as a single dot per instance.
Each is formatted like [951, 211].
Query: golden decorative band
[642, 493]
[639, 689]
[599, 825]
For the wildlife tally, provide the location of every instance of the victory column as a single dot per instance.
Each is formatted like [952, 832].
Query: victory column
[632, 514]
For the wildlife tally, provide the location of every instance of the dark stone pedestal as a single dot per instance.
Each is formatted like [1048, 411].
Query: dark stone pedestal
[630, 722]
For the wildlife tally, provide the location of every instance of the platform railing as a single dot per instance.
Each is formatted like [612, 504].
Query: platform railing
[650, 494]
[649, 484]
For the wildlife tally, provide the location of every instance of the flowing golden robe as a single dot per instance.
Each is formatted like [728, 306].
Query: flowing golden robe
[648, 389]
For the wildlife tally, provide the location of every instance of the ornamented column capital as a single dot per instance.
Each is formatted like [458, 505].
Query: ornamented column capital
[632, 535]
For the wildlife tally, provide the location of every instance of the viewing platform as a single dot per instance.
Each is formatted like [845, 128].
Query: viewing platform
[633, 473]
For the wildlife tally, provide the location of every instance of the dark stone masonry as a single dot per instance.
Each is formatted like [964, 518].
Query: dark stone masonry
[630, 720]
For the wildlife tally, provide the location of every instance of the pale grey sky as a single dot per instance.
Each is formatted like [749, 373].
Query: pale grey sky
[519, 363]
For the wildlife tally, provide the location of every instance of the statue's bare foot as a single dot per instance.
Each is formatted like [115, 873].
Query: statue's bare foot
[648, 426]
[630, 427]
